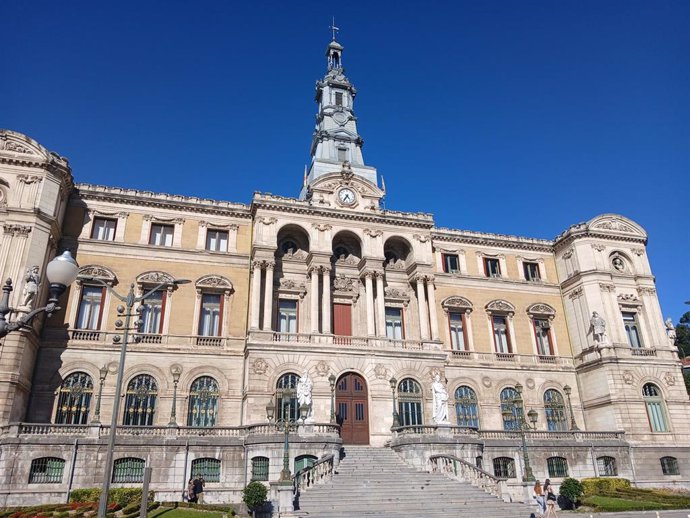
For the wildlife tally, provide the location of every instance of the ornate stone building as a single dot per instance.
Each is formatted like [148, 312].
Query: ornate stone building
[368, 303]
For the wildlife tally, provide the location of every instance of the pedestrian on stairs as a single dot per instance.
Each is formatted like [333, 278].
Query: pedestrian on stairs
[538, 496]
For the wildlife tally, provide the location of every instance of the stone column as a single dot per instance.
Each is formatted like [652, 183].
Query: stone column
[369, 288]
[256, 294]
[432, 308]
[326, 303]
[421, 303]
[268, 297]
[314, 272]
[380, 305]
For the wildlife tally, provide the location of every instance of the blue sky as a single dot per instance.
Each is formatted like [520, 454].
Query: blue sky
[528, 116]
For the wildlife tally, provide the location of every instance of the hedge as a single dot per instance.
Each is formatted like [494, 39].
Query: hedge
[601, 485]
[123, 496]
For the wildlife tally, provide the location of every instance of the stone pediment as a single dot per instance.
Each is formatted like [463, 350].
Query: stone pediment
[99, 272]
[456, 302]
[154, 277]
[614, 223]
[347, 190]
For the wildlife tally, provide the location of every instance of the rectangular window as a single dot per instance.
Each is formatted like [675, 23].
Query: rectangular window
[287, 316]
[209, 320]
[128, 470]
[338, 98]
[492, 267]
[152, 313]
[451, 263]
[103, 229]
[260, 469]
[457, 331]
[557, 466]
[410, 413]
[342, 154]
[531, 271]
[161, 235]
[501, 335]
[542, 332]
[504, 467]
[90, 307]
[669, 466]
[207, 468]
[632, 329]
[217, 240]
[46, 470]
[394, 324]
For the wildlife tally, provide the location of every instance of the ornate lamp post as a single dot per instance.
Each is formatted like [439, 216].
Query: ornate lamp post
[573, 424]
[102, 373]
[396, 417]
[176, 371]
[128, 312]
[331, 380]
[270, 410]
[517, 411]
[61, 272]
[285, 422]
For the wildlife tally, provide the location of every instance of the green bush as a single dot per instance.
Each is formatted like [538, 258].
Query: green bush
[123, 496]
[601, 485]
[88, 494]
[571, 489]
[254, 495]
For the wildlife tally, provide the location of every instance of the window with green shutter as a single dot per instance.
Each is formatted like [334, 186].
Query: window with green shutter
[46, 470]
[128, 469]
[260, 469]
[208, 468]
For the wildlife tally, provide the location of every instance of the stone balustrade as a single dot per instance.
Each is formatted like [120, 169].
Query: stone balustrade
[318, 473]
[624, 351]
[369, 342]
[508, 435]
[510, 359]
[174, 341]
[461, 470]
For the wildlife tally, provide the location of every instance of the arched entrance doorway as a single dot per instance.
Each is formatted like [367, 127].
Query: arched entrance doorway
[351, 404]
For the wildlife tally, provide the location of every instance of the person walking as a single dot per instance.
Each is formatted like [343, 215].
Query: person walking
[550, 499]
[538, 495]
[199, 484]
[191, 496]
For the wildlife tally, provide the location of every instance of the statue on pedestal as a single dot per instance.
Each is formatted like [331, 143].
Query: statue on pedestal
[597, 327]
[304, 388]
[32, 280]
[440, 401]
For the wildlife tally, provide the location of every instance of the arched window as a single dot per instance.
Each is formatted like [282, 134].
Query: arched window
[128, 469]
[140, 403]
[655, 408]
[410, 402]
[606, 466]
[208, 468]
[669, 466]
[557, 466]
[511, 409]
[74, 399]
[554, 408]
[286, 394]
[466, 408]
[303, 462]
[260, 469]
[46, 470]
[504, 467]
[203, 402]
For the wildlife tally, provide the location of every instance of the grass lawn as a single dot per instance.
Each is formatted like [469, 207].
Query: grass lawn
[167, 512]
[607, 503]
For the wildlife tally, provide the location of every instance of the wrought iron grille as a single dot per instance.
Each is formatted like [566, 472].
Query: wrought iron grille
[554, 408]
[504, 467]
[557, 466]
[208, 468]
[46, 470]
[140, 403]
[203, 402]
[74, 399]
[606, 466]
[260, 468]
[466, 409]
[128, 469]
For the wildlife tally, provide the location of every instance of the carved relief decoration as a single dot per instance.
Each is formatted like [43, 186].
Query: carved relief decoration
[373, 233]
[421, 238]
[502, 306]
[97, 272]
[576, 293]
[213, 281]
[541, 309]
[16, 147]
[615, 224]
[322, 227]
[529, 382]
[598, 248]
[669, 379]
[456, 302]
[646, 290]
[637, 251]
[486, 381]
[322, 369]
[16, 230]
[260, 366]
[380, 371]
[607, 286]
[628, 297]
[397, 295]
[29, 178]
[154, 278]
[628, 377]
[344, 283]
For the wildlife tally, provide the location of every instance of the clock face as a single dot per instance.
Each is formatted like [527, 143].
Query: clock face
[346, 196]
[340, 118]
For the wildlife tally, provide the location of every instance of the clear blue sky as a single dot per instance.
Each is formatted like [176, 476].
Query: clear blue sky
[511, 117]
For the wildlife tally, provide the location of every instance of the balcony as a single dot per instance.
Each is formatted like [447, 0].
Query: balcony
[353, 342]
[614, 351]
[509, 359]
[171, 341]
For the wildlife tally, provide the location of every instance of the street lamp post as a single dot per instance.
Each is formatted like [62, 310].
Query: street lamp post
[517, 411]
[128, 312]
[61, 272]
[396, 417]
[102, 373]
[285, 421]
[331, 380]
[573, 424]
[176, 371]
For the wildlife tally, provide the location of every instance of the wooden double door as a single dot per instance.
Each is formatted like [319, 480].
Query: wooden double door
[352, 407]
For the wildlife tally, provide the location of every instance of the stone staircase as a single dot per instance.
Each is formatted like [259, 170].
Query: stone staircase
[376, 482]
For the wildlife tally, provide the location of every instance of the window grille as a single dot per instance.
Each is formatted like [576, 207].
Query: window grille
[557, 466]
[669, 466]
[46, 470]
[140, 401]
[511, 409]
[606, 466]
[260, 469]
[208, 468]
[466, 409]
[74, 399]
[286, 401]
[303, 462]
[554, 408]
[504, 467]
[203, 402]
[410, 403]
[128, 469]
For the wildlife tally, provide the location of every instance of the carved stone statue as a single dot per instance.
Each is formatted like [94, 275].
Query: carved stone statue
[440, 401]
[670, 330]
[597, 326]
[618, 264]
[304, 388]
[32, 280]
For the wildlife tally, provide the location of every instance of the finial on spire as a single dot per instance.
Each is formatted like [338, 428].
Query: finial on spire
[334, 29]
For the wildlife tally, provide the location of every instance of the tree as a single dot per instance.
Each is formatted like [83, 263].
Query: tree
[683, 334]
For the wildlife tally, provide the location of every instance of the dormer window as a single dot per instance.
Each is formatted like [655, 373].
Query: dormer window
[338, 98]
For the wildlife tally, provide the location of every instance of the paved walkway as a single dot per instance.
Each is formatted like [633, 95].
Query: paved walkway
[679, 513]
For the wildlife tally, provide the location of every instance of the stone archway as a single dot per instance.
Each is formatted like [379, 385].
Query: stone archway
[352, 406]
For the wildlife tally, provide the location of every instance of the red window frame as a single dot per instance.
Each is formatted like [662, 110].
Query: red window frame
[536, 337]
[508, 340]
[464, 330]
[444, 264]
[100, 310]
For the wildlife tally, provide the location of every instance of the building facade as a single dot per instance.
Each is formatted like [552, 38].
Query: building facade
[368, 303]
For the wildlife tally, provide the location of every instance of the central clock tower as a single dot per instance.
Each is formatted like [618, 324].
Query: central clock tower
[335, 140]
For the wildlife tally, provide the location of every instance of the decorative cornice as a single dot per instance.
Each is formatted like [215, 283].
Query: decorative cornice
[482, 239]
[16, 230]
